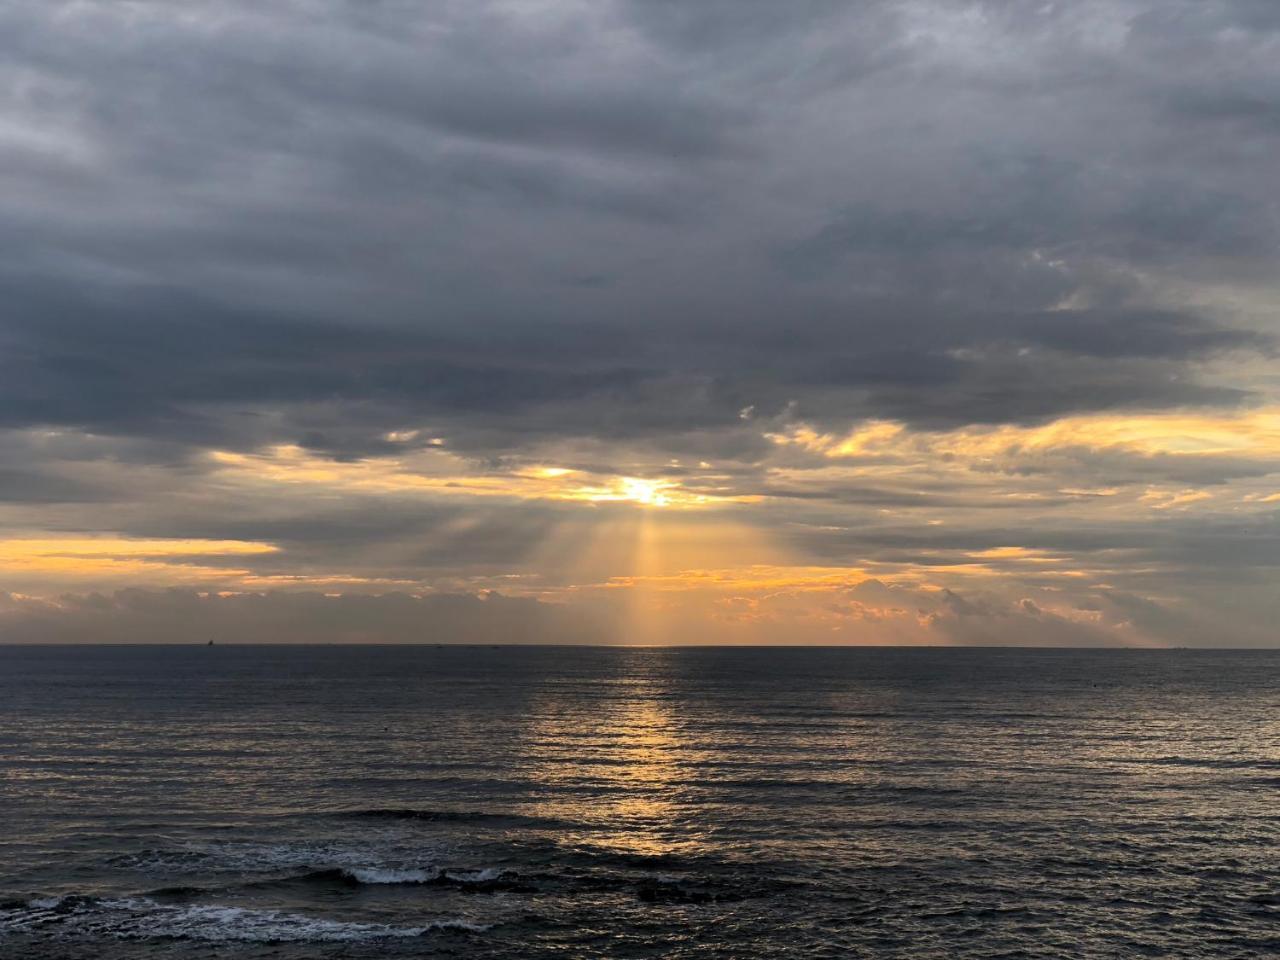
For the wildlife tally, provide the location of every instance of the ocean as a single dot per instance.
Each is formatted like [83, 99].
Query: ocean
[483, 802]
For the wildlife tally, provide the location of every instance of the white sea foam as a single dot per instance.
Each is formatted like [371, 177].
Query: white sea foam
[394, 875]
[388, 875]
[141, 918]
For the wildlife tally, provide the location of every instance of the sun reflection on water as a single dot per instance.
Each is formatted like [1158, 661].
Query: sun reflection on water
[620, 768]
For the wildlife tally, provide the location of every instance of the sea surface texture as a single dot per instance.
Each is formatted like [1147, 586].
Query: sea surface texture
[362, 802]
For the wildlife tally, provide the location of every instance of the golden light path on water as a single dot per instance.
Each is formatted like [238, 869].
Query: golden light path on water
[632, 752]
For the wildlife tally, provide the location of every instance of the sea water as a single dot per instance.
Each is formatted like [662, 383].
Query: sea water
[361, 802]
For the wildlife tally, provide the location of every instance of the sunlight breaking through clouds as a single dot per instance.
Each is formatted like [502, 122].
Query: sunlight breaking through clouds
[676, 343]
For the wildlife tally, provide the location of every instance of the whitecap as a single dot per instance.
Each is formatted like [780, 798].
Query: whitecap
[389, 875]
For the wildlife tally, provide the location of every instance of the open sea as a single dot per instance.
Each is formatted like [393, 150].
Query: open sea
[385, 802]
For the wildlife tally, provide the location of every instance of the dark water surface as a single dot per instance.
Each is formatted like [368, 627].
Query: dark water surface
[239, 802]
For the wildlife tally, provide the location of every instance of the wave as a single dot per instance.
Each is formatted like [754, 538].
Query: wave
[1229, 763]
[409, 813]
[222, 857]
[683, 890]
[386, 875]
[661, 890]
[141, 918]
[207, 869]
[474, 817]
[486, 880]
[182, 892]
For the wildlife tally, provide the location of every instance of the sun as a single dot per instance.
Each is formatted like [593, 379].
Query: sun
[637, 490]
[651, 493]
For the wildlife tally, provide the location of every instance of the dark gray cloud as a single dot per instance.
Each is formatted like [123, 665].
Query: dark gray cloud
[368, 180]
[35, 486]
[164, 366]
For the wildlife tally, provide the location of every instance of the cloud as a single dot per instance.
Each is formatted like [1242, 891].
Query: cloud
[177, 616]
[342, 278]
[871, 612]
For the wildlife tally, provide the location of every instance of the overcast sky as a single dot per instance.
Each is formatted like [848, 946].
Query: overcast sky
[640, 321]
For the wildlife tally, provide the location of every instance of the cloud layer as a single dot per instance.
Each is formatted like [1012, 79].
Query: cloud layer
[613, 312]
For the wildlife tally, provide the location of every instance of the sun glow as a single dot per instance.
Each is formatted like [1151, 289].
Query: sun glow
[91, 547]
[650, 493]
[440, 473]
[118, 560]
[1255, 432]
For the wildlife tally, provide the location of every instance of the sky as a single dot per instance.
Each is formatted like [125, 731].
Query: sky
[640, 321]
